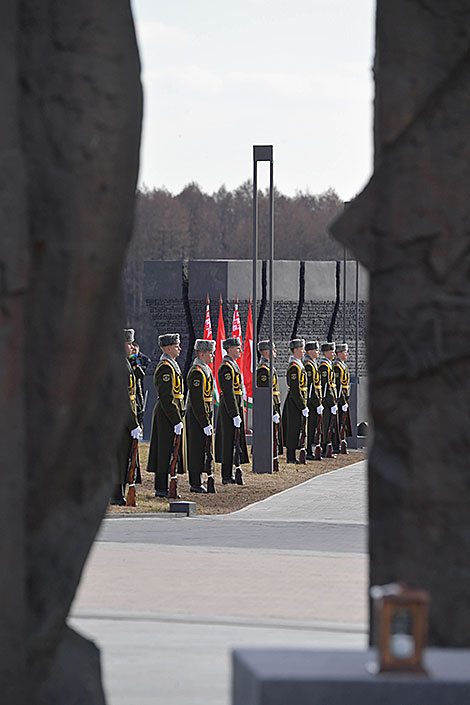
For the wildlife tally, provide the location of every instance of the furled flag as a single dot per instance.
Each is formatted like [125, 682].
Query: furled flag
[237, 333]
[219, 351]
[248, 358]
[208, 327]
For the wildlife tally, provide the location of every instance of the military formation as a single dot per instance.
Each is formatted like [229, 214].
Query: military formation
[313, 423]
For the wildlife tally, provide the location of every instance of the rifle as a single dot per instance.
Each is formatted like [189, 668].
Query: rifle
[318, 434]
[172, 468]
[303, 433]
[209, 466]
[130, 499]
[275, 449]
[342, 434]
[329, 444]
[236, 457]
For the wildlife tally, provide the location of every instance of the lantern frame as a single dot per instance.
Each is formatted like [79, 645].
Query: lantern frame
[389, 601]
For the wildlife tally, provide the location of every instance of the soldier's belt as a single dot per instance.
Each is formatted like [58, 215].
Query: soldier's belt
[276, 394]
[178, 396]
[238, 394]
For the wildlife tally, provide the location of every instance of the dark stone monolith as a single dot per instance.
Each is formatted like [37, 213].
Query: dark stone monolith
[70, 118]
[410, 228]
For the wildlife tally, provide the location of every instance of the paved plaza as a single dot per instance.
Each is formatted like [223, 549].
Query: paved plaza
[167, 598]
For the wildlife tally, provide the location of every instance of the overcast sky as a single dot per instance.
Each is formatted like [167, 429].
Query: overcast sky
[221, 76]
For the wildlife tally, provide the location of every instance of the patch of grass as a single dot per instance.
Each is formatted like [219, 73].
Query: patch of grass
[229, 498]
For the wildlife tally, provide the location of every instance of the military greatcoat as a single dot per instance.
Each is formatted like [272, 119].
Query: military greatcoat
[296, 401]
[230, 405]
[328, 388]
[168, 411]
[314, 398]
[198, 415]
[131, 422]
[342, 382]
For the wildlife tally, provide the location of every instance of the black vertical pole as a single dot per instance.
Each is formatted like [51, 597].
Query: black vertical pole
[344, 296]
[262, 443]
[356, 361]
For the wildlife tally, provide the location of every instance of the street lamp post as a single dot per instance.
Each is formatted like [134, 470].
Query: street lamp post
[262, 441]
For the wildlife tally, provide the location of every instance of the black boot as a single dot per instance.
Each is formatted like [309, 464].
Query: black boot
[310, 455]
[290, 456]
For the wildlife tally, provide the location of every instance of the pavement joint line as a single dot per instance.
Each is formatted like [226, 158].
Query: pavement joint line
[166, 547]
[219, 620]
[210, 517]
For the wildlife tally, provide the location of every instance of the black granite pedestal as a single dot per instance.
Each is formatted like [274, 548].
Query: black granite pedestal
[292, 677]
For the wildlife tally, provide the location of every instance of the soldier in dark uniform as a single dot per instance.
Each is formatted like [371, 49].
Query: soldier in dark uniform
[230, 412]
[314, 398]
[167, 419]
[295, 405]
[329, 398]
[131, 427]
[262, 380]
[198, 417]
[342, 381]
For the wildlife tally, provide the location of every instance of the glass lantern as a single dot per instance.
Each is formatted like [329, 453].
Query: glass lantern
[401, 620]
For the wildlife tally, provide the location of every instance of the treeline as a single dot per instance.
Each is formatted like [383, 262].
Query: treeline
[196, 225]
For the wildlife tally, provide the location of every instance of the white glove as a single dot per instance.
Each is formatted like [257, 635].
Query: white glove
[276, 418]
[320, 409]
[244, 396]
[305, 412]
[345, 407]
[334, 410]
[178, 428]
[136, 432]
[208, 430]
[237, 422]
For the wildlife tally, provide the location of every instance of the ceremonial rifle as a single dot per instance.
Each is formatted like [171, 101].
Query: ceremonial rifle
[131, 471]
[342, 434]
[237, 451]
[317, 440]
[172, 469]
[329, 444]
[275, 448]
[209, 465]
[303, 433]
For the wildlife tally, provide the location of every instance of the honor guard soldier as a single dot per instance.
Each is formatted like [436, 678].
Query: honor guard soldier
[329, 398]
[131, 430]
[342, 381]
[167, 419]
[295, 406]
[198, 417]
[314, 396]
[230, 412]
[262, 380]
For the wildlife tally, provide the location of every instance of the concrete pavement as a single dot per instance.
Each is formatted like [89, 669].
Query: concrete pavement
[172, 597]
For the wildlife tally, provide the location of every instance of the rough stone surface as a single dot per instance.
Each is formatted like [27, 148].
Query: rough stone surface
[69, 140]
[410, 228]
[165, 302]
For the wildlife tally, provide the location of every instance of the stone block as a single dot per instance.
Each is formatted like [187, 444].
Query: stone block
[188, 508]
[163, 279]
[300, 677]
[208, 277]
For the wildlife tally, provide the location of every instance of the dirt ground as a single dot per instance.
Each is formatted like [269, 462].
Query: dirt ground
[229, 498]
